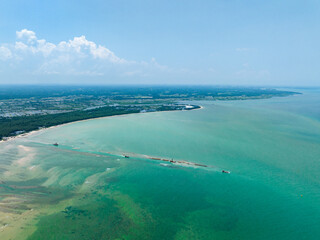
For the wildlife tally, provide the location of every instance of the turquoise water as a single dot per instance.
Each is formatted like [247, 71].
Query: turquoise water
[86, 189]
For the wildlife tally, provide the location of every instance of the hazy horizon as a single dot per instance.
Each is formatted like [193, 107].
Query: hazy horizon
[154, 85]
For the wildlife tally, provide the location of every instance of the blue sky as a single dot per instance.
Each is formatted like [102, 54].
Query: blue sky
[224, 42]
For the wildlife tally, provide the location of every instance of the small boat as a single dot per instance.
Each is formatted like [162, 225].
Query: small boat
[56, 144]
[126, 156]
[223, 171]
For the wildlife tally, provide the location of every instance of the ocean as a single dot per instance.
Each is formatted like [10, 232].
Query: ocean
[86, 189]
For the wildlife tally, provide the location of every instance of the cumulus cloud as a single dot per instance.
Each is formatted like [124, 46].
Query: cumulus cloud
[30, 36]
[32, 56]
[78, 46]
[77, 56]
[82, 46]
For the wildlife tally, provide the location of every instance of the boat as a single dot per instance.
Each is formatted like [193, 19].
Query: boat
[56, 144]
[126, 156]
[223, 171]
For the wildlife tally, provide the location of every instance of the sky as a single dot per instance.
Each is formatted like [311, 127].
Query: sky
[213, 42]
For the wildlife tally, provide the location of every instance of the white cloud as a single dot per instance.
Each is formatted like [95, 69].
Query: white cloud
[31, 56]
[77, 47]
[84, 47]
[5, 53]
[21, 46]
[24, 33]
[75, 56]
[44, 47]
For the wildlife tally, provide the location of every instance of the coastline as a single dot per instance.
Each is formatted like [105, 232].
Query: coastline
[27, 134]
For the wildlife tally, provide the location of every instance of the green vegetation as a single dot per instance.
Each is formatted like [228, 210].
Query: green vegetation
[137, 92]
[27, 108]
[17, 125]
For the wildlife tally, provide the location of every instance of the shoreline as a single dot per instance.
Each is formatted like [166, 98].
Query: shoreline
[27, 134]
[198, 107]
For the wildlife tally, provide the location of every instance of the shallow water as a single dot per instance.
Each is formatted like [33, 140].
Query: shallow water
[86, 189]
